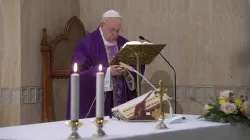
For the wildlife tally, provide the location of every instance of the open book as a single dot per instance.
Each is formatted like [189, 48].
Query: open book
[138, 106]
[135, 43]
[128, 52]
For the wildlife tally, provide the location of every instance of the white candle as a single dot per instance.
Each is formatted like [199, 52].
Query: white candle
[75, 88]
[100, 93]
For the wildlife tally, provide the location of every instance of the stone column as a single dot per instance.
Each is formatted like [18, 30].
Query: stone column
[21, 22]
[10, 62]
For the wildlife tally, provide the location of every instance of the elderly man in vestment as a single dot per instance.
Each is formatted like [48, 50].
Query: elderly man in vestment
[99, 47]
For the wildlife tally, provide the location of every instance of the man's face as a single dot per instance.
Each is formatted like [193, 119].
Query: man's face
[111, 28]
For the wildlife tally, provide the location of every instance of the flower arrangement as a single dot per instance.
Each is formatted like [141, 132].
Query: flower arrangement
[228, 109]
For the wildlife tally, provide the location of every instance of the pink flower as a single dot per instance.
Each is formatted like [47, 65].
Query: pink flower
[229, 108]
[225, 94]
[247, 109]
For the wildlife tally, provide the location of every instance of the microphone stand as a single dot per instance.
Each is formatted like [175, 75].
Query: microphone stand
[142, 38]
[174, 82]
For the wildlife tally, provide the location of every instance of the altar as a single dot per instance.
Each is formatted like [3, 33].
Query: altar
[189, 129]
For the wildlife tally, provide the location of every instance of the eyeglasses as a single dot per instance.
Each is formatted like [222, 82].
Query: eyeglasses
[113, 30]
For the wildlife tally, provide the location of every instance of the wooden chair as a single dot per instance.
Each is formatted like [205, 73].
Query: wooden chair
[56, 58]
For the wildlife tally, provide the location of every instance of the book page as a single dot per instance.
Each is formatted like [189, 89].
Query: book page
[131, 43]
[145, 42]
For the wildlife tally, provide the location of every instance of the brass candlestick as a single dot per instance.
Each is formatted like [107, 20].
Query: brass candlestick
[74, 127]
[161, 124]
[100, 122]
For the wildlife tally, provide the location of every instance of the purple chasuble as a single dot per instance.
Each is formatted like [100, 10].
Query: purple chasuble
[88, 54]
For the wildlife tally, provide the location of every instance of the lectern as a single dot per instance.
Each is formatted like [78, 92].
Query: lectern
[137, 54]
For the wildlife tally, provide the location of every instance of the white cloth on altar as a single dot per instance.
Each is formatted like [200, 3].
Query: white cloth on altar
[189, 129]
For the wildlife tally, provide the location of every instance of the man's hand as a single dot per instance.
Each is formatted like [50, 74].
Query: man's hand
[124, 72]
[117, 70]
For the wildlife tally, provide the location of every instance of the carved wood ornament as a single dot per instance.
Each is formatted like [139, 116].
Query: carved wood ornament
[56, 60]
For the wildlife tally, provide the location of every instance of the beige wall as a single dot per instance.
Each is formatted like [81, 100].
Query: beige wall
[35, 15]
[207, 39]
[21, 22]
[208, 42]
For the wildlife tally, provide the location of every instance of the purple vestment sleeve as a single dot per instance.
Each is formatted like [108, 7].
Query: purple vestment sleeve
[82, 58]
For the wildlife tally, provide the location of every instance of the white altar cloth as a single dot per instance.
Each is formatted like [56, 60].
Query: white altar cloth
[189, 129]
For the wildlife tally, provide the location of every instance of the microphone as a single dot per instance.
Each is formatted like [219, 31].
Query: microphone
[143, 38]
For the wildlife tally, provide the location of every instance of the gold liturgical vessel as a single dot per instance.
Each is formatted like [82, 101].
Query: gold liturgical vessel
[74, 125]
[161, 115]
[99, 122]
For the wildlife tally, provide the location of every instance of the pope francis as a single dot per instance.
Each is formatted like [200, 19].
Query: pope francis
[99, 47]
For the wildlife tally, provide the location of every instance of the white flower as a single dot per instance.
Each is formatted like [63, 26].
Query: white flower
[207, 107]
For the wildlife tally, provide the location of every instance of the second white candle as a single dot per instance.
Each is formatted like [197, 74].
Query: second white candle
[100, 93]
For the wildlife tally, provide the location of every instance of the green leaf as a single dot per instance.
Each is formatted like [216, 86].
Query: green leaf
[216, 117]
[207, 115]
[231, 121]
[231, 94]
[223, 120]
[236, 118]
[210, 104]
[217, 98]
